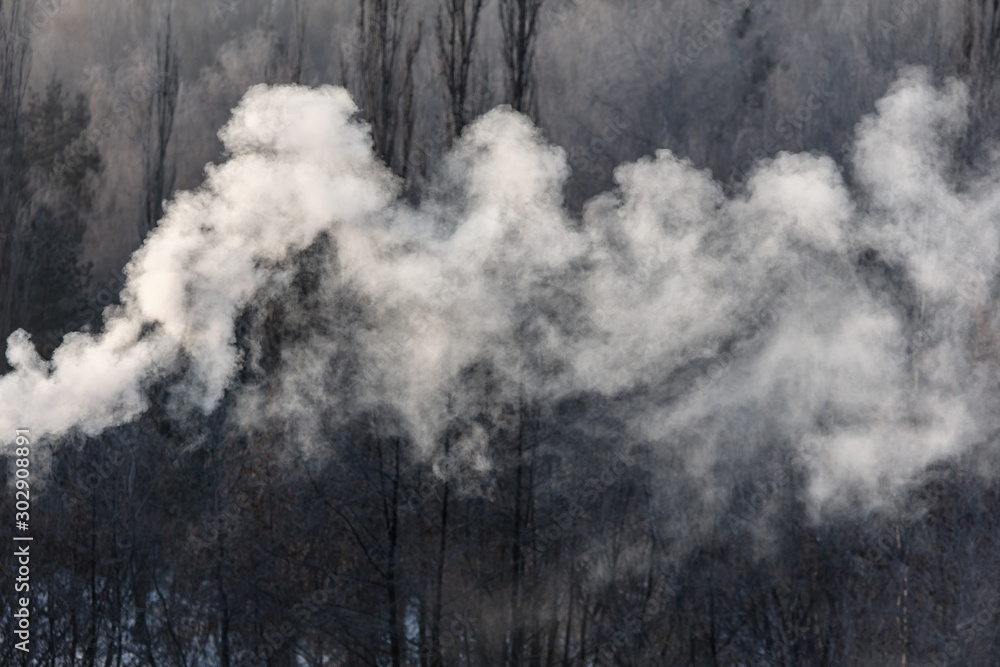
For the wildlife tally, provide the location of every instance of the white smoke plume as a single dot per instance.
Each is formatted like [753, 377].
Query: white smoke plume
[851, 323]
[298, 164]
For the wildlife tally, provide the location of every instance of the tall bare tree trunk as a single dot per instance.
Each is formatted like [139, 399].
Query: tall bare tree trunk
[519, 23]
[159, 175]
[15, 63]
[390, 508]
[287, 57]
[979, 63]
[380, 74]
[455, 28]
[435, 639]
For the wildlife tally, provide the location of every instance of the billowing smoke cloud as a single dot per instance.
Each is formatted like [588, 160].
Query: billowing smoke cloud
[298, 165]
[849, 323]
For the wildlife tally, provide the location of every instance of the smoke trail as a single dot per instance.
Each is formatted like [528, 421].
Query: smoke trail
[799, 311]
[298, 164]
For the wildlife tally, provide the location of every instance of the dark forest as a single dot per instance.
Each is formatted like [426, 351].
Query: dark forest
[526, 333]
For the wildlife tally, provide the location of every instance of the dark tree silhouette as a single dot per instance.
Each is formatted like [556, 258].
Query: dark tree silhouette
[455, 27]
[519, 20]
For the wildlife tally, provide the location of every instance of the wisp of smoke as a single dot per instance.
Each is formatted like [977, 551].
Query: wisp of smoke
[833, 319]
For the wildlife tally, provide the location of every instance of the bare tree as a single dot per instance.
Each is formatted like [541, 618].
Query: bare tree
[519, 23]
[455, 27]
[979, 61]
[380, 73]
[15, 62]
[287, 56]
[159, 124]
[981, 39]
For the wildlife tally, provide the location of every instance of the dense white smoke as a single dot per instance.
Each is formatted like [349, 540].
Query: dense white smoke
[298, 165]
[851, 324]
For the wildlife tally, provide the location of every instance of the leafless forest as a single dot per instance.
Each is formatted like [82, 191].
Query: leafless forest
[531, 333]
